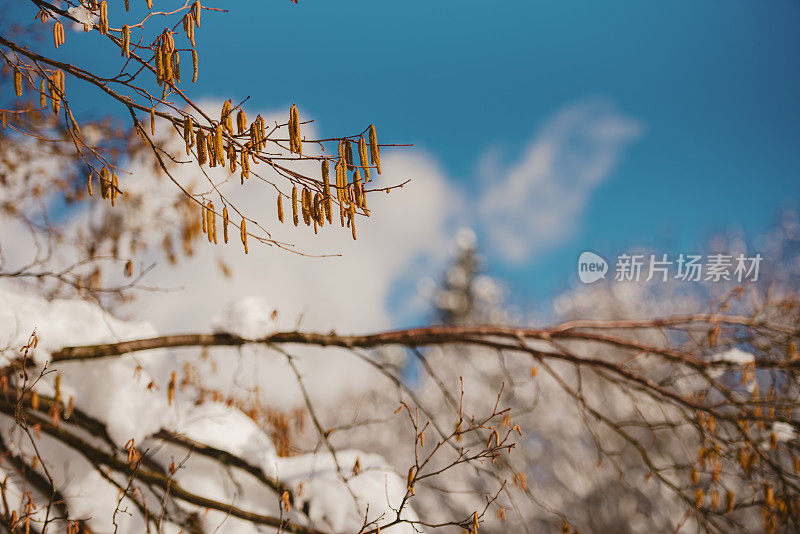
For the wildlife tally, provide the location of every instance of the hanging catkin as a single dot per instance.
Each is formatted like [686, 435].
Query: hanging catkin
[103, 17]
[326, 184]
[362, 156]
[241, 122]
[294, 205]
[17, 82]
[126, 40]
[244, 235]
[225, 117]
[374, 151]
[188, 134]
[225, 223]
[202, 157]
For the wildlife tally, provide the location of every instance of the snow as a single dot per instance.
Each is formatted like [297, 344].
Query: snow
[115, 391]
[784, 431]
[249, 317]
[110, 390]
[329, 501]
[734, 356]
[82, 15]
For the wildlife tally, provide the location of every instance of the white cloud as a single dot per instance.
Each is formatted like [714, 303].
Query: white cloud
[538, 202]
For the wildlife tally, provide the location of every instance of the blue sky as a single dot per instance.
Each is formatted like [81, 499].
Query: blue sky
[713, 85]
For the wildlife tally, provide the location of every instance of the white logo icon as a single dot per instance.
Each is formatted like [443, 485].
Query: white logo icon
[591, 267]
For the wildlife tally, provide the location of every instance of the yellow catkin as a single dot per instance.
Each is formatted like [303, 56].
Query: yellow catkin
[254, 136]
[280, 208]
[261, 140]
[189, 20]
[214, 221]
[17, 82]
[103, 17]
[244, 235]
[225, 117]
[218, 146]
[43, 94]
[295, 143]
[159, 66]
[232, 157]
[348, 154]
[211, 148]
[290, 128]
[340, 181]
[225, 223]
[168, 40]
[362, 156]
[194, 66]
[326, 184]
[203, 216]
[89, 184]
[241, 122]
[730, 501]
[114, 188]
[305, 207]
[294, 205]
[209, 223]
[176, 66]
[105, 180]
[58, 34]
[152, 121]
[188, 134]
[196, 7]
[126, 40]
[166, 61]
[55, 97]
[298, 144]
[150, 4]
[319, 210]
[57, 387]
[245, 161]
[202, 157]
[357, 189]
[374, 150]
[211, 219]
